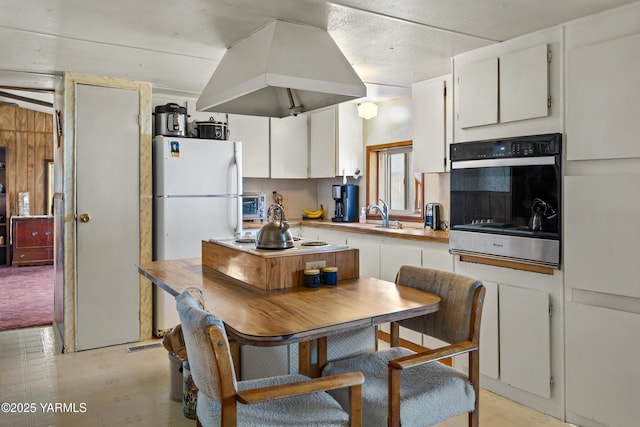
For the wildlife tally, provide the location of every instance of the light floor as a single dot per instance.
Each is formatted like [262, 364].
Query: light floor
[111, 387]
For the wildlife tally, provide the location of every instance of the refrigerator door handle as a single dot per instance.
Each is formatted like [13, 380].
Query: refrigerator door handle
[238, 159]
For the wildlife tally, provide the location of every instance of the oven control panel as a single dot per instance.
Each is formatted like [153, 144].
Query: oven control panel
[526, 146]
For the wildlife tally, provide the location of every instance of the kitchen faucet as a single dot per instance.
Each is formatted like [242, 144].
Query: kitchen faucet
[384, 212]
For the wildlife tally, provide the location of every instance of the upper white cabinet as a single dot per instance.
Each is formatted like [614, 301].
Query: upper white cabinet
[322, 143]
[253, 131]
[524, 84]
[477, 85]
[432, 124]
[289, 147]
[511, 87]
[335, 141]
[603, 88]
[350, 142]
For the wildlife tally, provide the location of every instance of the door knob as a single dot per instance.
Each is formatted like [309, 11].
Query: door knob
[84, 217]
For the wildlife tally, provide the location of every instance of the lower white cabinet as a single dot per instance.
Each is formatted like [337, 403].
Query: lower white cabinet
[603, 374]
[369, 253]
[489, 336]
[514, 337]
[393, 256]
[525, 352]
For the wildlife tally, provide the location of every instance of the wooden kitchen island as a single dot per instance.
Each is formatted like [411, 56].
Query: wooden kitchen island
[294, 315]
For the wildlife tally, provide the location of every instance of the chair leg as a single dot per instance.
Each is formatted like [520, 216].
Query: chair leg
[474, 377]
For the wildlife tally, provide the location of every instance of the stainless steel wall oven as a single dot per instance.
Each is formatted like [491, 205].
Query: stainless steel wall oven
[505, 198]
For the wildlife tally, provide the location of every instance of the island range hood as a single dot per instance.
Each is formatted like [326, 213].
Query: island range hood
[283, 68]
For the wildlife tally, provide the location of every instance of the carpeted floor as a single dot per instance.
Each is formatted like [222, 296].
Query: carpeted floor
[26, 296]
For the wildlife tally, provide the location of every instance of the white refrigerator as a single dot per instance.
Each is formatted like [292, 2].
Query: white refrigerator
[197, 188]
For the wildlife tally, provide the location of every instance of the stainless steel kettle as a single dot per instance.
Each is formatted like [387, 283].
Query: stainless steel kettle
[276, 233]
[540, 210]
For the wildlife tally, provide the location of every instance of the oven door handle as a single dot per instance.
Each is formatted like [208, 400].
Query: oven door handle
[494, 163]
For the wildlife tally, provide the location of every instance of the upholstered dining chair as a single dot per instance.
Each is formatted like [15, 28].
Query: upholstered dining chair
[292, 400]
[412, 389]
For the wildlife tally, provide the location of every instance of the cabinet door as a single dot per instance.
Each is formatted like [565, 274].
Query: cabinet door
[602, 364]
[477, 85]
[392, 257]
[322, 143]
[369, 256]
[524, 84]
[489, 337]
[429, 102]
[253, 132]
[525, 347]
[350, 142]
[604, 259]
[289, 147]
[603, 88]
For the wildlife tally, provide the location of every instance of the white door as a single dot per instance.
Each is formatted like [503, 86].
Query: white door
[107, 225]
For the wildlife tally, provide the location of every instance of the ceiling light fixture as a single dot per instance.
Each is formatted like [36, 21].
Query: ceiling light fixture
[367, 110]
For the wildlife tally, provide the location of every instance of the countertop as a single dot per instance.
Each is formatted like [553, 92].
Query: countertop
[407, 233]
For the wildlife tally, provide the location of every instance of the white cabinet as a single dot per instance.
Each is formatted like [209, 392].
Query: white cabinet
[600, 244]
[393, 256]
[350, 141]
[489, 337]
[432, 124]
[289, 147]
[524, 84]
[602, 354]
[603, 88]
[253, 132]
[322, 143]
[525, 352]
[335, 141]
[504, 88]
[477, 85]
[369, 253]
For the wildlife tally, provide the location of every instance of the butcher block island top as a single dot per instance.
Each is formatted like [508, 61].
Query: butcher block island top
[272, 269]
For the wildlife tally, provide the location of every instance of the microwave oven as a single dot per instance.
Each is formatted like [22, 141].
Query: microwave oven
[253, 207]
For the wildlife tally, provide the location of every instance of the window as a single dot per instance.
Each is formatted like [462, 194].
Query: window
[389, 178]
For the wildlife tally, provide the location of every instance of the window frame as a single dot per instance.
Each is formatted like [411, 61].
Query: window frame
[372, 182]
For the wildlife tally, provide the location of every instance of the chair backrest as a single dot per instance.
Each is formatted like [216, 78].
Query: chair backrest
[205, 364]
[454, 320]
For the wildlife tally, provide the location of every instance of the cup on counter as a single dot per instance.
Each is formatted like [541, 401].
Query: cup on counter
[312, 278]
[330, 275]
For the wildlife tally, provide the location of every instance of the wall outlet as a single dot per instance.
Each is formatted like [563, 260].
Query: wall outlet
[315, 264]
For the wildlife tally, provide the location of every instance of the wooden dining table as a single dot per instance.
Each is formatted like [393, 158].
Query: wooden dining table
[295, 315]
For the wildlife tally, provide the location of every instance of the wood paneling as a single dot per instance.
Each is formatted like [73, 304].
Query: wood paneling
[28, 136]
[276, 269]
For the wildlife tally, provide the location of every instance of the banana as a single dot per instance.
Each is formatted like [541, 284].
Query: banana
[319, 213]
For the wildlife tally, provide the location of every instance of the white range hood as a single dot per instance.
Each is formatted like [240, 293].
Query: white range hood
[281, 69]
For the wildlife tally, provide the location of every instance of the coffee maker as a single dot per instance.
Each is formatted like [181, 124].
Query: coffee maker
[346, 197]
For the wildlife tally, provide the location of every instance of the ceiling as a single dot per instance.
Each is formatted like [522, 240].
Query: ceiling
[176, 45]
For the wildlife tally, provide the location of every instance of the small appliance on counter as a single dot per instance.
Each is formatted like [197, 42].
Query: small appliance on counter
[171, 120]
[211, 129]
[432, 216]
[346, 198]
[254, 207]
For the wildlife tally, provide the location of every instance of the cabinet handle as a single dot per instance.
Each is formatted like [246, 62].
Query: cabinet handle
[35, 233]
[85, 217]
[48, 233]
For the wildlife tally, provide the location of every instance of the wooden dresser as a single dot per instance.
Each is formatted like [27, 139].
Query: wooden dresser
[32, 240]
